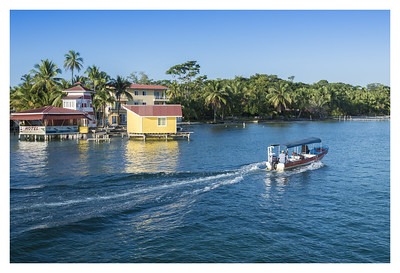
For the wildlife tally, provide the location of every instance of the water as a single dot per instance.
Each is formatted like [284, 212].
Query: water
[209, 200]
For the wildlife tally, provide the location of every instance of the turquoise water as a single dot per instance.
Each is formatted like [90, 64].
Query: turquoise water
[207, 200]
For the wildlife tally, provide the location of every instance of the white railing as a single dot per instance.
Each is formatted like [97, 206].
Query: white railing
[42, 130]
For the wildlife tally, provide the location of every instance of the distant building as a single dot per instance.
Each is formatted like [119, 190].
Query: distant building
[142, 95]
[80, 98]
[148, 94]
[160, 120]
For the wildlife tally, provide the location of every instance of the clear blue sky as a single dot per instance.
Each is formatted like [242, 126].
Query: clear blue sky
[335, 45]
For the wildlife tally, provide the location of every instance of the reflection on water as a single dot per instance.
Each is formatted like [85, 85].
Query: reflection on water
[83, 148]
[275, 183]
[151, 156]
[33, 157]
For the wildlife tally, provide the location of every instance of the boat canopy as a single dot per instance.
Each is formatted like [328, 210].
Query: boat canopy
[309, 140]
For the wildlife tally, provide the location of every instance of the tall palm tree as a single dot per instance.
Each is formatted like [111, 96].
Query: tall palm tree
[216, 95]
[102, 95]
[279, 96]
[94, 76]
[120, 86]
[73, 61]
[45, 77]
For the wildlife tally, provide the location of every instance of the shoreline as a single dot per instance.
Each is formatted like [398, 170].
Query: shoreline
[254, 120]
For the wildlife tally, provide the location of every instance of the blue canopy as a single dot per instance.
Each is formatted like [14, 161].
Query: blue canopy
[302, 142]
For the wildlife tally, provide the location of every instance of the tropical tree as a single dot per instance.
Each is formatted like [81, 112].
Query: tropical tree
[319, 102]
[53, 98]
[215, 95]
[279, 96]
[236, 89]
[102, 94]
[78, 79]
[96, 77]
[73, 61]
[22, 97]
[301, 99]
[101, 99]
[120, 86]
[174, 92]
[45, 77]
[140, 78]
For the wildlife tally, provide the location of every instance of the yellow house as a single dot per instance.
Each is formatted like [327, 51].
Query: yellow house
[153, 120]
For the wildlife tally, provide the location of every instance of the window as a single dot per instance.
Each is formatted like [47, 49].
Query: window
[144, 93]
[144, 103]
[136, 93]
[162, 122]
[122, 118]
[157, 95]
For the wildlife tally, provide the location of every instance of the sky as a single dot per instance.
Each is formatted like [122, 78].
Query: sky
[350, 46]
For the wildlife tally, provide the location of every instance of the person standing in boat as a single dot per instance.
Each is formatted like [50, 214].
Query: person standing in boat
[282, 157]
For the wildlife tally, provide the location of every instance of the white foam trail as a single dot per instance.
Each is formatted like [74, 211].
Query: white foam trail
[223, 179]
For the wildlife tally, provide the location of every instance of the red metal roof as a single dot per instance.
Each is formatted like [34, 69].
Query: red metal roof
[166, 110]
[48, 112]
[147, 87]
[78, 88]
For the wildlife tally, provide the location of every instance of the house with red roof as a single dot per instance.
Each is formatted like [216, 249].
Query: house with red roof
[153, 120]
[50, 121]
[80, 98]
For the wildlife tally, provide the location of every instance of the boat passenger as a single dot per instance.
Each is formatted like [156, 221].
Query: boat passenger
[282, 157]
[304, 149]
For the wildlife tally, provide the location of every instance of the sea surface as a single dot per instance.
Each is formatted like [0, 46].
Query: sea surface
[207, 200]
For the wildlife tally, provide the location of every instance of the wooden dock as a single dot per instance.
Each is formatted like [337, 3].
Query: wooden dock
[160, 136]
[99, 137]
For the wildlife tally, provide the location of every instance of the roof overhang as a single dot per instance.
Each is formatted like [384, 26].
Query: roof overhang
[36, 116]
[305, 141]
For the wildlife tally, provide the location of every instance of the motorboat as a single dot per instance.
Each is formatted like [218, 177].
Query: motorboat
[296, 153]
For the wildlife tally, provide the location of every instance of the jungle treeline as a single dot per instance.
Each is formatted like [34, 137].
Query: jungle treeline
[259, 96]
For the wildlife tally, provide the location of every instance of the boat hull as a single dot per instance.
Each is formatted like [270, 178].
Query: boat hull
[298, 163]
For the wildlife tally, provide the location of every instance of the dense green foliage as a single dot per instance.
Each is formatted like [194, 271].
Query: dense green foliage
[261, 95]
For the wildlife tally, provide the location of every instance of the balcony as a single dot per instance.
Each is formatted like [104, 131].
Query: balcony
[160, 99]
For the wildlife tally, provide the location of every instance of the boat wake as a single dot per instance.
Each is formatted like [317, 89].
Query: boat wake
[42, 204]
[48, 206]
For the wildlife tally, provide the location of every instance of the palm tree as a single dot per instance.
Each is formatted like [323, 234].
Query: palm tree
[279, 96]
[21, 97]
[301, 99]
[174, 92]
[101, 98]
[94, 76]
[237, 90]
[120, 86]
[319, 101]
[45, 77]
[216, 95]
[52, 98]
[73, 61]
